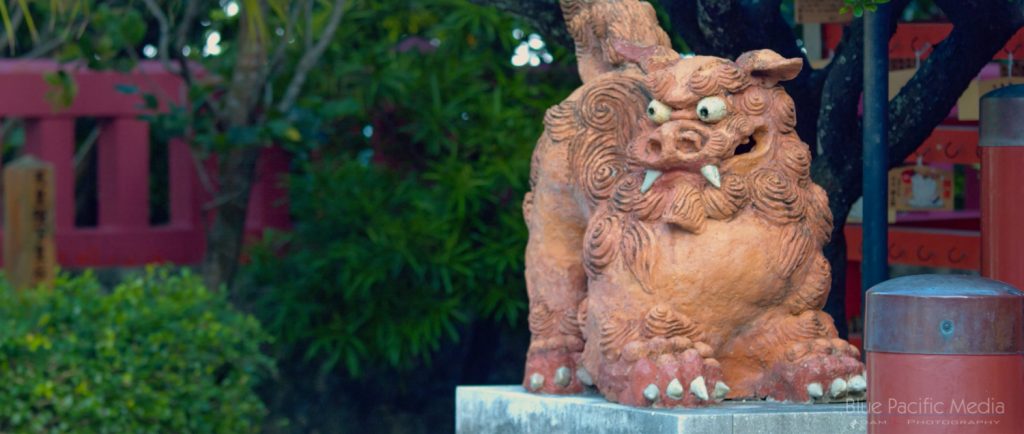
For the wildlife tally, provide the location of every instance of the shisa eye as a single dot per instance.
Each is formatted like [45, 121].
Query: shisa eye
[658, 111]
[711, 109]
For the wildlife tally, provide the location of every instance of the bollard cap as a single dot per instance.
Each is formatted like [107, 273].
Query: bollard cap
[1001, 122]
[944, 314]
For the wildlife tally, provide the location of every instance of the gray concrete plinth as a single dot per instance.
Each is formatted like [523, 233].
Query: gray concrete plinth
[509, 409]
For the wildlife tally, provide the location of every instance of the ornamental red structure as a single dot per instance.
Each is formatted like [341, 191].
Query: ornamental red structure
[124, 234]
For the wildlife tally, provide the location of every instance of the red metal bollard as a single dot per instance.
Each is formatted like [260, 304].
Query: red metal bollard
[1002, 185]
[945, 354]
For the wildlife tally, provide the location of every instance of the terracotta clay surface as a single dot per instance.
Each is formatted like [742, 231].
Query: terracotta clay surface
[674, 256]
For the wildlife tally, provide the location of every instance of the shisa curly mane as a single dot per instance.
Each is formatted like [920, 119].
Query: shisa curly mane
[776, 187]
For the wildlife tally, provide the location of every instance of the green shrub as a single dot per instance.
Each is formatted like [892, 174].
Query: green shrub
[408, 222]
[157, 354]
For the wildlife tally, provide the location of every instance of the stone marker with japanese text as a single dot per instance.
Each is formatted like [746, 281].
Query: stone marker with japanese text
[29, 252]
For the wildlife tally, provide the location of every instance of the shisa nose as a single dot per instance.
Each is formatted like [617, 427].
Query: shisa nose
[670, 142]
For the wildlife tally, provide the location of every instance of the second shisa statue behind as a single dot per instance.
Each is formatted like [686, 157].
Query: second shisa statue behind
[674, 256]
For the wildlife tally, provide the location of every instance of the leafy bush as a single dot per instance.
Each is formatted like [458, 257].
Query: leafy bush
[156, 354]
[408, 219]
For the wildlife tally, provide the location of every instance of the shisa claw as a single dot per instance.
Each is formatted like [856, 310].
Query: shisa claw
[674, 389]
[721, 389]
[562, 376]
[857, 384]
[698, 388]
[815, 391]
[584, 376]
[838, 388]
[536, 381]
[651, 392]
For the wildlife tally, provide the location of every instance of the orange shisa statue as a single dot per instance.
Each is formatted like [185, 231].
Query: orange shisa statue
[674, 256]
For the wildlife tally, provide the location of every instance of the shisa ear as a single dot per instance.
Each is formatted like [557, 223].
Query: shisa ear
[768, 67]
[649, 58]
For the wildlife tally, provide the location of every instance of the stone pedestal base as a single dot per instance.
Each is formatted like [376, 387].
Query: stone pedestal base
[509, 409]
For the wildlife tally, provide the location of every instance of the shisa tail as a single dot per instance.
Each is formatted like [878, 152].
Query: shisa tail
[598, 25]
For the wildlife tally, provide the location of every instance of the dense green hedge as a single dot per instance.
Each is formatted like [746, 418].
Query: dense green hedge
[156, 354]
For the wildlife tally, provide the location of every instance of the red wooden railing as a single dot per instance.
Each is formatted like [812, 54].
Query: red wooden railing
[123, 235]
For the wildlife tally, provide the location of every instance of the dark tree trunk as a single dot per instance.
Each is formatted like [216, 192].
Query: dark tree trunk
[236, 168]
[226, 233]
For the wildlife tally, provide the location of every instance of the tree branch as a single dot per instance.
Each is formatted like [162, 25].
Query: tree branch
[309, 23]
[191, 12]
[190, 15]
[840, 96]
[16, 19]
[544, 16]
[164, 26]
[289, 31]
[979, 32]
[311, 57]
[916, 110]
[43, 48]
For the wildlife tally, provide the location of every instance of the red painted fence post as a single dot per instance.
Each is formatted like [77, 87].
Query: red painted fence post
[123, 173]
[53, 140]
[183, 185]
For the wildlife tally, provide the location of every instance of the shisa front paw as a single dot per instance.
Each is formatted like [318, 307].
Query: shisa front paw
[819, 371]
[551, 367]
[667, 373]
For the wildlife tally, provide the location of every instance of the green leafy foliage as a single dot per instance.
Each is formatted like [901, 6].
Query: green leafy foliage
[859, 6]
[103, 35]
[61, 89]
[156, 354]
[403, 236]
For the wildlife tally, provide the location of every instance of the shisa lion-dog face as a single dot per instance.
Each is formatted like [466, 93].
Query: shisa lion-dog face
[675, 240]
[702, 110]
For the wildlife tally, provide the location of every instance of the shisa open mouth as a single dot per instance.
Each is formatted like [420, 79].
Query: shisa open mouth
[709, 171]
[711, 168]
